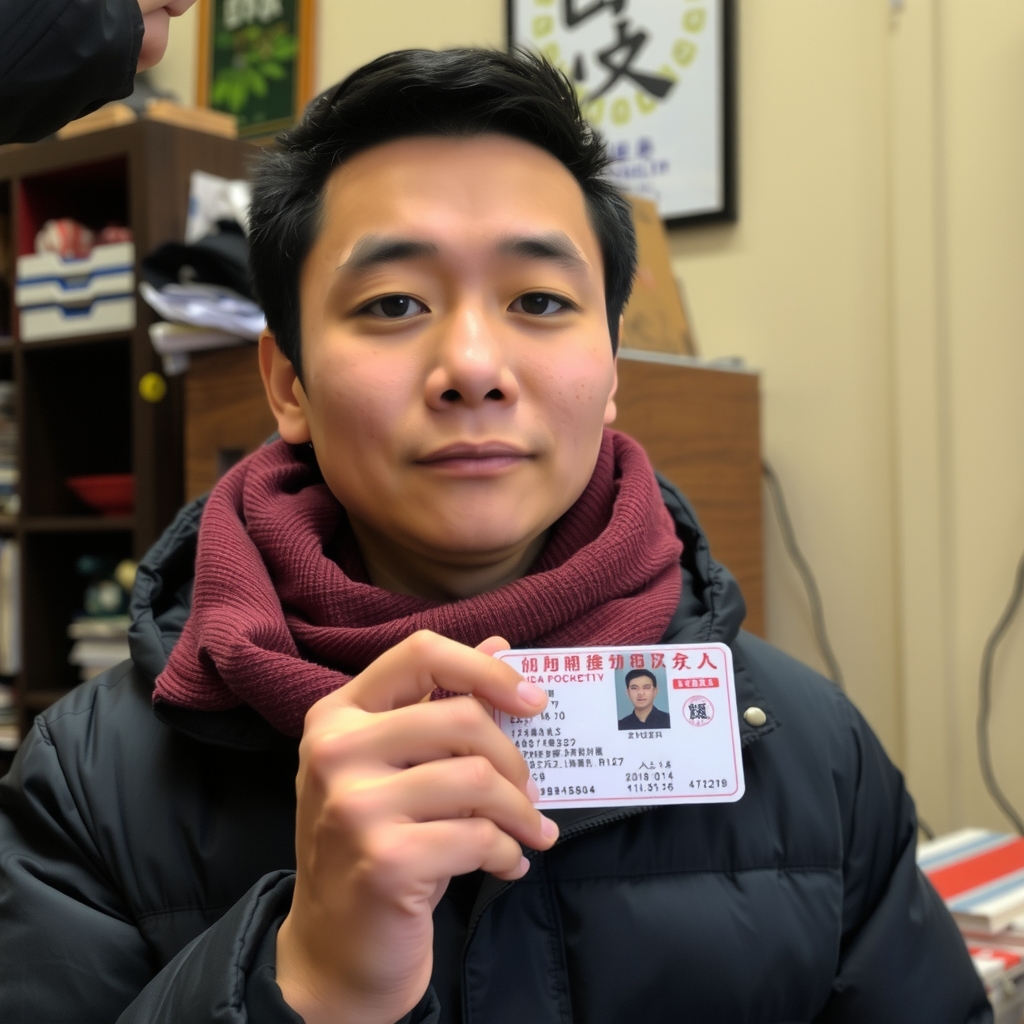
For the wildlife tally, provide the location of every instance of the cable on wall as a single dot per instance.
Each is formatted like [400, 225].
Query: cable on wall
[988, 774]
[803, 568]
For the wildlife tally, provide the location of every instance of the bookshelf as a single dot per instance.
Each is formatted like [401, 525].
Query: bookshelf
[78, 405]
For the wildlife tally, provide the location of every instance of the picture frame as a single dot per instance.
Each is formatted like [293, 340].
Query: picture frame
[656, 78]
[256, 62]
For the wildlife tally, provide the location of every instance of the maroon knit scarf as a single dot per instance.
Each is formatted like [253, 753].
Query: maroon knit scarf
[277, 624]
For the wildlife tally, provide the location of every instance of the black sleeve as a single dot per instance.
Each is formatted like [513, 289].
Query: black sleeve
[265, 1004]
[60, 59]
[902, 958]
[70, 949]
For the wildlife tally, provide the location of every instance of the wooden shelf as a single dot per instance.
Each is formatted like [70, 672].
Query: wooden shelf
[79, 408]
[40, 700]
[78, 524]
[82, 339]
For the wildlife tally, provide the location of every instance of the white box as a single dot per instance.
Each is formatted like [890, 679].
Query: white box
[44, 279]
[41, 323]
[48, 266]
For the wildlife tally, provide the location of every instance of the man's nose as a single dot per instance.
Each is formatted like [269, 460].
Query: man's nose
[472, 368]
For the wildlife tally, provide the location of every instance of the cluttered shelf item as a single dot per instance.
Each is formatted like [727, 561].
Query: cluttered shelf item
[99, 428]
[980, 875]
[71, 582]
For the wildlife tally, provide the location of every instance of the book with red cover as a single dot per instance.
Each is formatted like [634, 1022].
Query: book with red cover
[980, 875]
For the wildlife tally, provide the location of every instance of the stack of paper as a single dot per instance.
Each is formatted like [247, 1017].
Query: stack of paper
[101, 642]
[9, 732]
[206, 305]
[10, 609]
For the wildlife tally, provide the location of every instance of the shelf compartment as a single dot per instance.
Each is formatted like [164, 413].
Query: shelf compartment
[53, 592]
[77, 524]
[83, 339]
[95, 194]
[77, 421]
[6, 265]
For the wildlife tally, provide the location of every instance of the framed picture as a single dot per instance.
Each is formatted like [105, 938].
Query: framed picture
[656, 79]
[256, 61]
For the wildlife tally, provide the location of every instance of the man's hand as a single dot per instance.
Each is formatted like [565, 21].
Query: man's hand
[156, 16]
[396, 794]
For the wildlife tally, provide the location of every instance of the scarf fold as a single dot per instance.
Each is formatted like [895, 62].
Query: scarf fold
[277, 624]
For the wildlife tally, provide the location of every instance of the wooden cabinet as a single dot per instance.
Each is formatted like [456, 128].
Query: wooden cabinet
[700, 426]
[80, 410]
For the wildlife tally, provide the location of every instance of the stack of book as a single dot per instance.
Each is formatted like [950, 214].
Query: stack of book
[980, 875]
[8, 451]
[9, 733]
[101, 642]
[10, 609]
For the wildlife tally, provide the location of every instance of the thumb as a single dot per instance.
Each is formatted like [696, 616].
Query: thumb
[493, 644]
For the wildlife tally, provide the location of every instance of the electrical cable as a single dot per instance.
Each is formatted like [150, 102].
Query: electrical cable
[988, 774]
[804, 569]
[923, 825]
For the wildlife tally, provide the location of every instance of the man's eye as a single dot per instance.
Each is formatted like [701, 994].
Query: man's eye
[538, 304]
[395, 307]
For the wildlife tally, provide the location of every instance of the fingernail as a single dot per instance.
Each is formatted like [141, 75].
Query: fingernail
[524, 866]
[532, 791]
[531, 694]
[548, 829]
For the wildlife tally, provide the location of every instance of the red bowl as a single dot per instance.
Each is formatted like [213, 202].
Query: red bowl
[112, 494]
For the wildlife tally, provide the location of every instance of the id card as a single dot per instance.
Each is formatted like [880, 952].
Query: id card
[630, 725]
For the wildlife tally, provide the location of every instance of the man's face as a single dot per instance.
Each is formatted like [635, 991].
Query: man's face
[456, 357]
[642, 692]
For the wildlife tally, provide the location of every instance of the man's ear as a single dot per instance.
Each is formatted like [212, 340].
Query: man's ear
[285, 393]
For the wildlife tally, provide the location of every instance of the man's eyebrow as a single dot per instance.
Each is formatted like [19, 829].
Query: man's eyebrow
[373, 250]
[555, 247]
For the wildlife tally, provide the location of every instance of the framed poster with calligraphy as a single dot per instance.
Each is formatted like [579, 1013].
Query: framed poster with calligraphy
[256, 61]
[656, 79]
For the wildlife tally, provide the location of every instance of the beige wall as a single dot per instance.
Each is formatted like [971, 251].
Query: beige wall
[876, 278]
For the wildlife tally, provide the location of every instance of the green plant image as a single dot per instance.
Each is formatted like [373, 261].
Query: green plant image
[254, 71]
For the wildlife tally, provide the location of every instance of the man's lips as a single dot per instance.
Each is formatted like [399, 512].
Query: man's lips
[473, 459]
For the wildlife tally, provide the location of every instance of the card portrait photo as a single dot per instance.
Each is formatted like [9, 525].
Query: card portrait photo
[641, 698]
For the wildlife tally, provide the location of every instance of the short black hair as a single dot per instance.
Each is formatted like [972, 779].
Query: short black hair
[637, 672]
[457, 93]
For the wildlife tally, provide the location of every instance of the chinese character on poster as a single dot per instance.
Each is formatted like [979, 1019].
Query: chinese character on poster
[652, 78]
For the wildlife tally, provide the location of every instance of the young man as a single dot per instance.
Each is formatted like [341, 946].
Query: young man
[642, 691]
[443, 268]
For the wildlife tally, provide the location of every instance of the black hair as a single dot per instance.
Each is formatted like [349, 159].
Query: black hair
[457, 93]
[637, 672]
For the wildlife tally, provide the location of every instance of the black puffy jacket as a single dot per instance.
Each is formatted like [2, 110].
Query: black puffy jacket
[60, 59]
[145, 865]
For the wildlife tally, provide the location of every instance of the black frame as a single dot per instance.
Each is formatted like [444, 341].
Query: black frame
[730, 198]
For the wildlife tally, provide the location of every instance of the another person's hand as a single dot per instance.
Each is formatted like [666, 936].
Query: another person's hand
[156, 16]
[397, 794]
